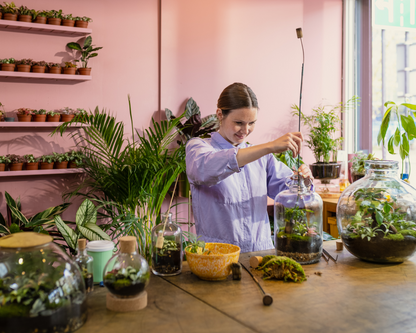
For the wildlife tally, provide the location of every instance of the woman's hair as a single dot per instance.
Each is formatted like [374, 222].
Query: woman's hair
[236, 96]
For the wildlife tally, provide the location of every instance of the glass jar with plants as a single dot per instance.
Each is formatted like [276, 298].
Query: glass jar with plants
[85, 263]
[24, 65]
[25, 14]
[39, 66]
[54, 68]
[376, 215]
[54, 17]
[47, 161]
[82, 22]
[9, 11]
[41, 288]
[88, 51]
[24, 114]
[70, 68]
[127, 273]
[16, 162]
[358, 162]
[31, 162]
[4, 160]
[53, 116]
[39, 16]
[8, 64]
[39, 115]
[298, 222]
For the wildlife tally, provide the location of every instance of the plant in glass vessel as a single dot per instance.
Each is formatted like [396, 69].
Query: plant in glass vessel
[358, 161]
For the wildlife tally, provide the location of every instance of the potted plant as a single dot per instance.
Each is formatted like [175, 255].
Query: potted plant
[87, 52]
[39, 66]
[70, 68]
[8, 64]
[39, 115]
[25, 14]
[61, 160]
[76, 159]
[24, 114]
[47, 161]
[68, 20]
[358, 161]
[9, 11]
[54, 68]
[2, 112]
[16, 162]
[31, 162]
[4, 160]
[79, 114]
[82, 22]
[54, 17]
[67, 114]
[39, 16]
[53, 116]
[24, 65]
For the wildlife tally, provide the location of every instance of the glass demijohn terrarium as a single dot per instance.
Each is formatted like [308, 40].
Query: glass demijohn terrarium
[127, 273]
[167, 254]
[85, 263]
[298, 222]
[376, 215]
[41, 288]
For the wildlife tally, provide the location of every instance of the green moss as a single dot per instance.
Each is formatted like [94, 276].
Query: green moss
[407, 232]
[14, 310]
[282, 268]
[395, 237]
[294, 237]
[121, 283]
[353, 236]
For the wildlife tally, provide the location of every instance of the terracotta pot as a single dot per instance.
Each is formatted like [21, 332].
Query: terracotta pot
[61, 165]
[84, 71]
[67, 117]
[24, 117]
[38, 69]
[54, 21]
[1, 14]
[16, 166]
[55, 70]
[8, 67]
[68, 23]
[2, 166]
[40, 19]
[25, 18]
[46, 165]
[23, 68]
[81, 24]
[10, 17]
[39, 118]
[53, 118]
[32, 166]
[71, 71]
[71, 165]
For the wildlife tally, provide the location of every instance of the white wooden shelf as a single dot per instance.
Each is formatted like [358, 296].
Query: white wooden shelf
[45, 76]
[43, 28]
[33, 124]
[40, 172]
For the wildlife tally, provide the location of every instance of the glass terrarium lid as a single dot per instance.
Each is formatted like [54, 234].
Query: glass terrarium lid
[24, 239]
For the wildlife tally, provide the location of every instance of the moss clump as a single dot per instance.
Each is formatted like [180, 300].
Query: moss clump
[353, 236]
[407, 232]
[282, 268]
[395, 237]
[121, 283]
[282, 234]
[14, 310]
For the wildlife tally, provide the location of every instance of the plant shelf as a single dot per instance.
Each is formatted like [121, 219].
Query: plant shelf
[45, 76]
[33, 124]
[49, 29]
[40, 172]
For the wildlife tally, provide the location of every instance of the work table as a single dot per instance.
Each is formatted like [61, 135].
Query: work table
[348, 296]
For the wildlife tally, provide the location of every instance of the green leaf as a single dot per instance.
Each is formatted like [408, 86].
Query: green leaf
[390, 146]
[385, 123]
[15, 209]
[379, 217]
[86, 213]
[4, 230]
[74, 46]
[87, 42]
[410, 106]
[168, 114]
[396, 137]
[69, 235]
[91, 231]
[404, 147]
[47, 215]
[191, 108]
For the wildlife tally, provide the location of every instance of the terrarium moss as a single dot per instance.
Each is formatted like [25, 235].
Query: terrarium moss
[14, 310]
[407, 232]
[294, 236]
[281, 268]
[395, 237]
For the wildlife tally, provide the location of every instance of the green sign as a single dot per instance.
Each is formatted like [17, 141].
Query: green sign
[395, 13]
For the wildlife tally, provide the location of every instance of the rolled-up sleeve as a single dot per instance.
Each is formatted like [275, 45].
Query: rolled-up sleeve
[207, 166]
[277, 172]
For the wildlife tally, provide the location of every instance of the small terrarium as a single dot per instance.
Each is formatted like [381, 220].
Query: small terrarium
[166, 247]
[41, 289]
[298, 222]
[376, 215]
[85, 263]
[127, 273]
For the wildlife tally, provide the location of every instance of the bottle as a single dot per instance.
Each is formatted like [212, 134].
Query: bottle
[85, 263]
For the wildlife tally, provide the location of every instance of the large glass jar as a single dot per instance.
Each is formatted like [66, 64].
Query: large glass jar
[376, 215]
[41, 288]
[298, 222]
[167, 247]
[127, 273]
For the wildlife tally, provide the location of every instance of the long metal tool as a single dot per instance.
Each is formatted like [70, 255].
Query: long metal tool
[329, 256]
[267, 298]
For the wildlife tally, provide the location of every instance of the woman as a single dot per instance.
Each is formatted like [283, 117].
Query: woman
[230, 179]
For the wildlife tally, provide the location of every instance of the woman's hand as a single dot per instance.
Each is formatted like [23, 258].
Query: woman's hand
[290, 141]
[305, 171]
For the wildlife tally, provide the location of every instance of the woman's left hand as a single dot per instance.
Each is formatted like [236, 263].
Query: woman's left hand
[306, 172]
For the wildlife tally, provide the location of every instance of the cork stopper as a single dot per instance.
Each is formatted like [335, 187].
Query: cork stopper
[299, 32]
[82, 243]
[24, 240]
[127, 244]
[255, 261]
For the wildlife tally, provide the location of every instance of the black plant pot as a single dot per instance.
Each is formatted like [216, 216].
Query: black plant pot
[327, 171]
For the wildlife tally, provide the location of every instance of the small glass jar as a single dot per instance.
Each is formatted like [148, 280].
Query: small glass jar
[376, 215]
[85, 263]
[127, 273]
[298, 222]
[167, 247]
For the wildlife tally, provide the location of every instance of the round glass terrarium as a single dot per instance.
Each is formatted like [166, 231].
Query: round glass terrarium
[41, 288]
[167, 247]
[127, 273]
[376, 215]
[298, 222]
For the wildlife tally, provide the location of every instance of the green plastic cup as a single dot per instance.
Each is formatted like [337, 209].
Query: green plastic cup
[101, 251]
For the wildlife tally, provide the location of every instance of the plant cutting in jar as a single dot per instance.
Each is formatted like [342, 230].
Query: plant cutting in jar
[167, 260]
[88, 51]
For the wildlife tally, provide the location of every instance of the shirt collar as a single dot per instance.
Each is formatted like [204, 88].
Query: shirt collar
[217, 137]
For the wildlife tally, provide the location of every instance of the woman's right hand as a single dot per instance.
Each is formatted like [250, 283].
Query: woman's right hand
[290, 141]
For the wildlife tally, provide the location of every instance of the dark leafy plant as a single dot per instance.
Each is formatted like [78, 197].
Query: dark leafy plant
[40, 13]
[88, 50]
[23, 10]
[53, 64]
[39, 112]
[76, 157]
[358, 162]
[24, 62]
[15, 158]
[288, 159]
[69, 65]
[30, 158]
[39, 63]
[54, 14]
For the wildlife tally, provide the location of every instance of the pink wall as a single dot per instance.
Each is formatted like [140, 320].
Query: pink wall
[205, 45]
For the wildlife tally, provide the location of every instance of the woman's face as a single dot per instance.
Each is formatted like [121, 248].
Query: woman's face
[237, 125]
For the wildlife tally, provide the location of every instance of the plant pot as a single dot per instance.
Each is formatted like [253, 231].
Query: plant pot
[23, 68]
[55, 70]
[68, 23]
[24, 117]
[38, 69]
[10, 17]
[40, 19]
[2, 166]
[16, 166]
[84, 71]
[54, 21]
[326, 170]
[46, 165]
[9, 119]
[32, 166]
[8, 67]
[39, 118]
[81, 24]
[53, 118]
[25, 18]
[72, 165]
[61, 165]
[67, 117]
[70, 71]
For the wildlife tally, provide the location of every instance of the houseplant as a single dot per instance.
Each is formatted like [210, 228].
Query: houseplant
[75, 159]
[358, 162]
[53, 116]
[39, 66]
[87, 52]
[31, 162]
[2, 112]
[24, 114]
[39, 115]
[8, 64]
[25, 14]
[82, 22]
[4, 160]
[47, 161]
[79, 113]
[39, 16]
[10, 11]
[24, 65]
[68, 20]
[54, 17]
[54, 68]
[70, 68]
[16, 162]
[67, 114]
[61, 160]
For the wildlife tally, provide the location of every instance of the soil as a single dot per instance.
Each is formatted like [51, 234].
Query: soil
[167, 265]
[380, 250]
[356, 177]
[89, 283]
[65, 319]
[302, 251]
[128, 291]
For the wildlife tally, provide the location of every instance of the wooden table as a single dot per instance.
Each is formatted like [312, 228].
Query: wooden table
[349, 296]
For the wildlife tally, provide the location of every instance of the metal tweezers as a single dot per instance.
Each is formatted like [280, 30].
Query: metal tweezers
[327, 256]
